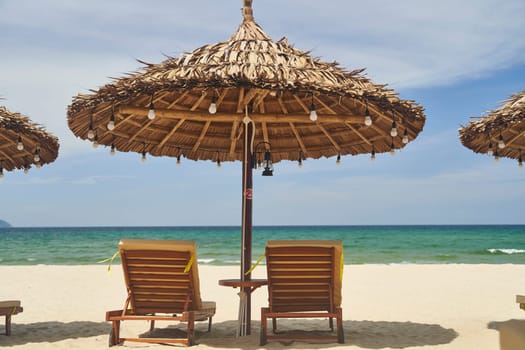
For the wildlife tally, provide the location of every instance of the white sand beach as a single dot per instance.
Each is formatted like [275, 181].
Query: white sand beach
[432, 307]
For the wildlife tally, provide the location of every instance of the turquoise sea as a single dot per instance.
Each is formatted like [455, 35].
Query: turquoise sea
[221, 245]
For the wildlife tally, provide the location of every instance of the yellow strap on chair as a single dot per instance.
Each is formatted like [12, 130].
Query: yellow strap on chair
[342, 263]
[188, 266]
[110, 260]
[254, 265]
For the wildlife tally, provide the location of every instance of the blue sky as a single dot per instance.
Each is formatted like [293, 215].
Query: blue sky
[457, 59]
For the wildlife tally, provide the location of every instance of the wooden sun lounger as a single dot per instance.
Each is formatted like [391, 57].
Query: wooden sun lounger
[304, 281]
[162, 281]
[7, 309]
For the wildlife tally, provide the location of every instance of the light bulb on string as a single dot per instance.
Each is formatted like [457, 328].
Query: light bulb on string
[143, 158]
[213, 106]
[151, 112]
[178, 160]
[112, 150]
[368, 119]
[501, 144]
[373, 154]
[490, 150]
[1, 172]
[405, 137]
[393, 131]
[91, 132]
[20, 144]
[300, 163]
[111, 123]
[392, 149]
[36, 156]
[38, 165]
[338, 160]
[313, 113]
[496, 157]
[95, 142]
[26, 169]
[218, 164]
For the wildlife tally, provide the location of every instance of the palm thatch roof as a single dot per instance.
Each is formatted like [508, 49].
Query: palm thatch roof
[24, 143]
[506, 124]
[275, 82]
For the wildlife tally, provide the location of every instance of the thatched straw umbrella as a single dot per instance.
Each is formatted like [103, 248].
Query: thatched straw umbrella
[501, 133]
[251, 99]
[24, 143]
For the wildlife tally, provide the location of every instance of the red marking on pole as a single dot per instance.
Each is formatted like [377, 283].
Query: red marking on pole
[248, 193]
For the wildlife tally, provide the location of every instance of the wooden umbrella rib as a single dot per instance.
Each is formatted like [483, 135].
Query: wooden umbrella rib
[233, 138]
[379, 130]
[170, 134]
[283, 107]
[178, 99]
[132, 138]
[336, 145]
[248, 97]
[222, 95]
[159, 97]
[198, 102]
[123, 121]
[511, 141]
[240, 106]
[5, 155]
[325, 106]
[259, 101]
[201, 137]
[301, 103]
[361, 136]
[298, 138]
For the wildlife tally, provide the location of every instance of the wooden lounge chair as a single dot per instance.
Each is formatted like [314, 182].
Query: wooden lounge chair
[7, 309]
[304, 281]
[162, 282]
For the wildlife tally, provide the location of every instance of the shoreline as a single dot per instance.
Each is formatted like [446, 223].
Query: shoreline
[410, 306]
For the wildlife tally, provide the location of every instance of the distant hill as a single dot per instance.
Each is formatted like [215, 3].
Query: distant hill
[4, 224]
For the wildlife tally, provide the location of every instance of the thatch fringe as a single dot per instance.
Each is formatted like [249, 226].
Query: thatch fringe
[34, 139]
[508, 121]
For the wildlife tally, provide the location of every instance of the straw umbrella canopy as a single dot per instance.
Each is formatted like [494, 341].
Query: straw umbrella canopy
[24, 143]
[248, 99]
[501, 133]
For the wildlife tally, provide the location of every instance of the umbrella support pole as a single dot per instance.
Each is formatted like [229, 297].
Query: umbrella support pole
[246, 249]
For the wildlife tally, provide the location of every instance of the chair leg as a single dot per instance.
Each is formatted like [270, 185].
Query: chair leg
[209, 324]
[331, 321]
[340, 330]
[151, 325]
[191, 329]
[8, 324]
[274, 324]
[114, 335]
[263, 335]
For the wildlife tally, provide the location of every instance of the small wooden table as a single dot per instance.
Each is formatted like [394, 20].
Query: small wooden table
[247, 287]
[520, 299]
[7, 309]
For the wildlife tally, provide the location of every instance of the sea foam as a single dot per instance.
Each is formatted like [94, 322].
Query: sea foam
[506, 251]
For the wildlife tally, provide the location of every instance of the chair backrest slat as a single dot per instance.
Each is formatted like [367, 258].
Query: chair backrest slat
[300, 278]
[159, 280]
